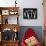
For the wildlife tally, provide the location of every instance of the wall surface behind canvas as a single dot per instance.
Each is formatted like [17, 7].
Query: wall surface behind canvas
[31, 4]
[26, 4]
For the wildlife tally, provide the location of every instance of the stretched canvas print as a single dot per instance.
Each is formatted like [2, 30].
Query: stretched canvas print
[30, 13]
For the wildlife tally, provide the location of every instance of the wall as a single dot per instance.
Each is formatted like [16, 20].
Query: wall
[31, 4]
[27, 4]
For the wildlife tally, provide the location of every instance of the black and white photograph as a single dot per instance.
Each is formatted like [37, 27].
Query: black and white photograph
[30, 13]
